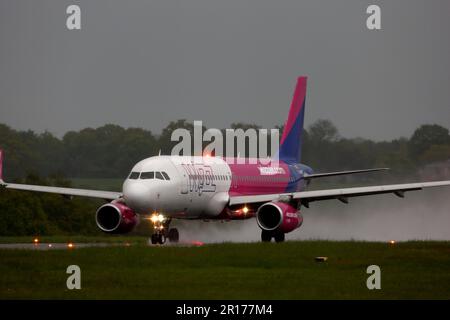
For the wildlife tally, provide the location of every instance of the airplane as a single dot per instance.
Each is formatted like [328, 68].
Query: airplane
[163, 188]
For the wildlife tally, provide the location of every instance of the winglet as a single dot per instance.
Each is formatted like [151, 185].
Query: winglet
[1, 167]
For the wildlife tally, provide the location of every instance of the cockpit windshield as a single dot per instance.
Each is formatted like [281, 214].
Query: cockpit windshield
[150, 175]
[134, 175]
[166, 176]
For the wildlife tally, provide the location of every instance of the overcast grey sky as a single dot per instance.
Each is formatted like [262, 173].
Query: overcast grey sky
[145, 63]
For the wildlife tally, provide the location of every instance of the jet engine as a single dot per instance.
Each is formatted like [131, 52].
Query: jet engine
[278, 216]
[116, 217]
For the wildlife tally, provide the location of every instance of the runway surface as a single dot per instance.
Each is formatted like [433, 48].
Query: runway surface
[55, 246]
[71, 246]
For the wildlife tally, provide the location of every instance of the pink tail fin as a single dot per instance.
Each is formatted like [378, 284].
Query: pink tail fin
[291, 141]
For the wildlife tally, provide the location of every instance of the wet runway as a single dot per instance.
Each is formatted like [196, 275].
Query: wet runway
[71, 246]
[56, 246]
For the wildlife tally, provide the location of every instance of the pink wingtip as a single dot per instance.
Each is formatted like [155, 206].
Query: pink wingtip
[1, 165]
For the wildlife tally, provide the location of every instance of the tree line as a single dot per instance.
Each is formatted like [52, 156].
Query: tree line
[111, 150]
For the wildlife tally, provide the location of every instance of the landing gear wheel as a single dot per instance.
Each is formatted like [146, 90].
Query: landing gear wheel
[154, 238]
[161, 238]
[173, 235]
[266, 236]
[158, 238]
[279, 237]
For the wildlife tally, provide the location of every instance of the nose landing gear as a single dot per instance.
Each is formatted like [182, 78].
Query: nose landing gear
[158, 238]
[161, 231]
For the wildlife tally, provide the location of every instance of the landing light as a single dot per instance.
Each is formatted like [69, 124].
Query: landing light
[245, 210]
[157, 218]
[70, 245]
[392, 242]
[36, 240]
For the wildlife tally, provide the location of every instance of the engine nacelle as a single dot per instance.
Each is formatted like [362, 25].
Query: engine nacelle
[278, 216]
[115, 217]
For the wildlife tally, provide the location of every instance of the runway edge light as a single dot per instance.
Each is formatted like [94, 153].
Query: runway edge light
[321, 259]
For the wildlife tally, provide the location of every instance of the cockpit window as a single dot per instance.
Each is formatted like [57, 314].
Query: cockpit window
[134, 175]
[148, 175]
[158, 175]
[166, 176]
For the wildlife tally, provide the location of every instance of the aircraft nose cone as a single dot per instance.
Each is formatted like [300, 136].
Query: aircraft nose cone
[136, 196]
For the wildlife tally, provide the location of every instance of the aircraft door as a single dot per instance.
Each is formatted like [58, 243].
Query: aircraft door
[184, 179]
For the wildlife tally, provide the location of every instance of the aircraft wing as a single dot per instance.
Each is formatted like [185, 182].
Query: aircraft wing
[106, 195]
[340, 173]
[341, 194]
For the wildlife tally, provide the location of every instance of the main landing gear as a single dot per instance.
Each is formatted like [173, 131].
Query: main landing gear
[161, 230]
[266, 236]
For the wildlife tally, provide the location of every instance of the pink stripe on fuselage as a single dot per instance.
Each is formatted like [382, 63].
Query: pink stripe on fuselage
[250, 179]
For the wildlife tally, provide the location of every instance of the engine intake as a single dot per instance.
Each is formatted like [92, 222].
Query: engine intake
[115, 217]
[278, 216]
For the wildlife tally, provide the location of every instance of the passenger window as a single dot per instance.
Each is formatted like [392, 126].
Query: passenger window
[159, 176]
[166, 176]
[148, 175]
[134, 175]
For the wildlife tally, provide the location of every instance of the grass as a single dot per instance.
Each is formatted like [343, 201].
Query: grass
[409, 270]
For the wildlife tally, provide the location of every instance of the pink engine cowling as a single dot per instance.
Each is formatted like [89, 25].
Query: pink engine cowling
[278, 216]
[115, 217]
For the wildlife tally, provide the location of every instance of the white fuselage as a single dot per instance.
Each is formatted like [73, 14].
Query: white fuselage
[181, 187]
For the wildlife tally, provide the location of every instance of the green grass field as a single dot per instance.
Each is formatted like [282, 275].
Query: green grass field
[409, 270]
